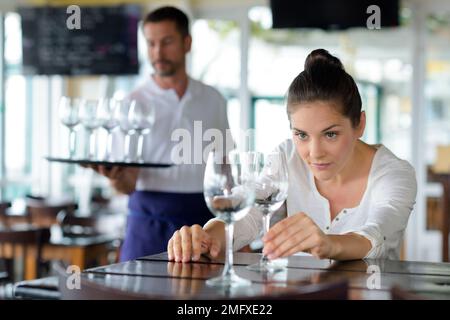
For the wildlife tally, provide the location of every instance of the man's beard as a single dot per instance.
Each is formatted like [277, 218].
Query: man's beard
[166, 72]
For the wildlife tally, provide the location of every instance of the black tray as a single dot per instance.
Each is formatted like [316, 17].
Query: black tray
[110, 164]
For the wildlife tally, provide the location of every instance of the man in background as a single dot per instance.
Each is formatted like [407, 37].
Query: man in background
[162, 200]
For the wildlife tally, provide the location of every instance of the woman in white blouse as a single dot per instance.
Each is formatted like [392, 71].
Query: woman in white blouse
[347, 199]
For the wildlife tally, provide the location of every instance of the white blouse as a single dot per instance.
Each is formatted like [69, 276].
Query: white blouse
[381, 216]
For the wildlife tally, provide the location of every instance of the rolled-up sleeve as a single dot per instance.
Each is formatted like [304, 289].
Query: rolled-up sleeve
[393, 198]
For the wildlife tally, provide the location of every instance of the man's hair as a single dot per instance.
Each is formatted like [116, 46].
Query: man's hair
[169, 13]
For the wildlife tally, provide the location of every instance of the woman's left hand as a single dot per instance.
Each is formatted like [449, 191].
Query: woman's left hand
[295, 234]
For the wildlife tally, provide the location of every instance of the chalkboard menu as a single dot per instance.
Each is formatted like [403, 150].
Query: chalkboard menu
[105, 43]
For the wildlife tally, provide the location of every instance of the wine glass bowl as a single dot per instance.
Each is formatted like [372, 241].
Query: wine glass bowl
[109, 114]
[69, 115]
[126, 128]
[89, 116]
[141, 117]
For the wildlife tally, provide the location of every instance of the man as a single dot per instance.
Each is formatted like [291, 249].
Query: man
[163, 200]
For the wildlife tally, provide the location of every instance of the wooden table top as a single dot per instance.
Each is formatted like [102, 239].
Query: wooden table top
[368, 279]
[58, 238]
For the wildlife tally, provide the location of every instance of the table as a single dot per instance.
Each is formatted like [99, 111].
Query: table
[74, 250]
[368, 279]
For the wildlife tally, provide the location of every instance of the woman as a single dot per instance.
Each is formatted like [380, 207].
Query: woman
[347, 199]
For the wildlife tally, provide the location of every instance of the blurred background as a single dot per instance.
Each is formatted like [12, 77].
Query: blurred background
[403, 73]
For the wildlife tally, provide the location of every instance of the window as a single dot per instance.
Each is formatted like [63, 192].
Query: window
[17, 114]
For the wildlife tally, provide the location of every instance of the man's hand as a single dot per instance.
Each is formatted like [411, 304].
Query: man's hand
[112, 173]
[123, 179]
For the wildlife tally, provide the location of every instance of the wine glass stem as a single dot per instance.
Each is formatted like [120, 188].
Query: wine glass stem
[71, 143]
[140, 147]
[91, 144]
[109, 143]
[127, 155]
[266, 226]
[228, 268]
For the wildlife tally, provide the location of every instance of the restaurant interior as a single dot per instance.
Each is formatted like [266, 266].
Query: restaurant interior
[63, 225]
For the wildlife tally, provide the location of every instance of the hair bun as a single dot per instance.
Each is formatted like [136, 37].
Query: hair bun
[322, 56]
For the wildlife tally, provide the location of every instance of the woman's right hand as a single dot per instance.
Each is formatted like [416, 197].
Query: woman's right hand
[189, 243]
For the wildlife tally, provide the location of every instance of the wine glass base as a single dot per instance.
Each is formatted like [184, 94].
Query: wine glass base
[229, 280]
[268, 266]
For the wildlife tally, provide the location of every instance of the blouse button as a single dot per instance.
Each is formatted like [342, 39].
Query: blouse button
[345, 211]
[328, 228]
[337, 219]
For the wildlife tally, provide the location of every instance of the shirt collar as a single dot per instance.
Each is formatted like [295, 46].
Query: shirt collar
[190, 90]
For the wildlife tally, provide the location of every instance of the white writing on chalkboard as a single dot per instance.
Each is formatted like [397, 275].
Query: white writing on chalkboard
[74, 20]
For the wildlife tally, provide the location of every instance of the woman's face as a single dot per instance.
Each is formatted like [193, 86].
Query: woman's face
[324, 138]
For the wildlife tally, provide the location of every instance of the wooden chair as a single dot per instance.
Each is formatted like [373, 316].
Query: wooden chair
[73, 226]
[43, 212]
[3, 216]
[77, 226]
[15, 243]
[4, 263]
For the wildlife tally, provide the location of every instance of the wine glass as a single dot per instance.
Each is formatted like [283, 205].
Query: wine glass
[271, 189]
[126, 128]
[141, 118]
[109, 114]
[229, 194]
[70, 117]
[89, 116]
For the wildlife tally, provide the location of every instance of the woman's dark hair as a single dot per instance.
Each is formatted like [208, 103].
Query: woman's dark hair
[169, 13]
[325, 78]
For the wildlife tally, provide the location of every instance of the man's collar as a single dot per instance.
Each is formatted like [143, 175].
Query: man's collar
[191, 89]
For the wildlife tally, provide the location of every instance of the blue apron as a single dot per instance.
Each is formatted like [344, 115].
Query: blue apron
[155, 216]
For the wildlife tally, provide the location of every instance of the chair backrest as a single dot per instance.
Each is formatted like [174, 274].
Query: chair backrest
[3, 217]
[43, 213]
[23, 237]
[72, 225]
[68, 219]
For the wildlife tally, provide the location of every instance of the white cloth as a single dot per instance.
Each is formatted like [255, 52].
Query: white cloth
[381, 216]
[201, 104]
